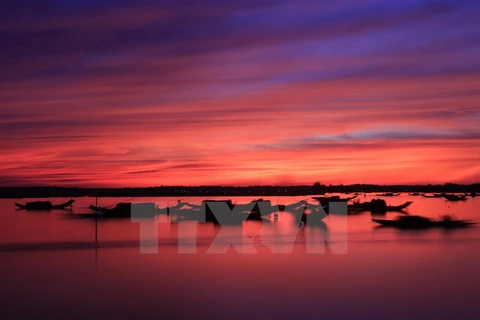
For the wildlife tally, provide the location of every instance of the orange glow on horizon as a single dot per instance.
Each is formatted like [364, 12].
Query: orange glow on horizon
[345, 135]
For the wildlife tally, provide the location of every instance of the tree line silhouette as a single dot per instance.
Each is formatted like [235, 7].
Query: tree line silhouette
[218, 191]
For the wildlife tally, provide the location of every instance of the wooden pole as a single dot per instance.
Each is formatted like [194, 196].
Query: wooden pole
[96, 222]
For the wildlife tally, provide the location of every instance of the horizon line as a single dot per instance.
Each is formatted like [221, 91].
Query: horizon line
[246, 186]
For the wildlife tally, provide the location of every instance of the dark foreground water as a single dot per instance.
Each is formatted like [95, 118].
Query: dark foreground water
[51, 269]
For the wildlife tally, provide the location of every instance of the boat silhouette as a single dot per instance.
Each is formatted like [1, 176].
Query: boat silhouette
[377, 206]
[418, 222]
[125, 210]
[435, 195]
[326, 200]
[44, 205]
[454, 197]
[227, 217]
[233, 214]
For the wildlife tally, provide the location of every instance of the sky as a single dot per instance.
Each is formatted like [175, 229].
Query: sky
[218, 92]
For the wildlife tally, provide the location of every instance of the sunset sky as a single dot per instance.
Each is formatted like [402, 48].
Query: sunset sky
[188, 92]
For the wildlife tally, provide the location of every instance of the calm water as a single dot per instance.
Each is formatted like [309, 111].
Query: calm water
[51, 269]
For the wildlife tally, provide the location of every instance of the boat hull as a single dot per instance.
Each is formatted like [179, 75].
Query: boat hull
[44, 205]
[403, 225]
[378, 206]
[416, 222]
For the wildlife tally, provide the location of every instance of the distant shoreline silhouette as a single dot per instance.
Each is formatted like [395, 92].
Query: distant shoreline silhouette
[221, 191]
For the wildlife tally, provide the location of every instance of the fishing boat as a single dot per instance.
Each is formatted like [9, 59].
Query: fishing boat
[44, 205]
[125, 209]
[232, 216]
[252, 211]
[454, 197]
[326, 200]
[378, 206]
[388, 194]
[204, 213]
[418, 222]
[292, 206]
[259, 207]
[170, 210]
[435, 195]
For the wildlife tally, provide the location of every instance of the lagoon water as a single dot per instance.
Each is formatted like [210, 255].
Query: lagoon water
[51, 268]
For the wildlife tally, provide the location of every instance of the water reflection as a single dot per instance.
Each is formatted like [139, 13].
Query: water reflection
[360, 272]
